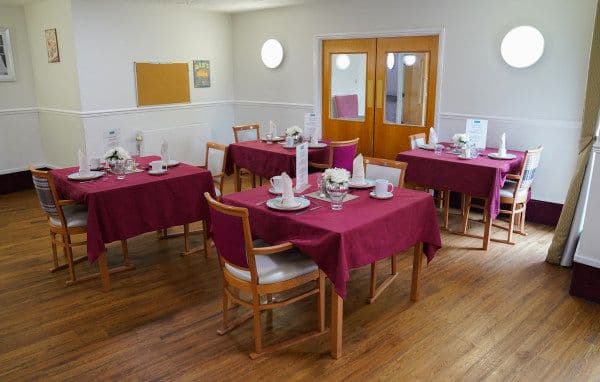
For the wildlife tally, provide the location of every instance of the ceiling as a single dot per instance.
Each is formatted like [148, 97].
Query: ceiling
[230, 6]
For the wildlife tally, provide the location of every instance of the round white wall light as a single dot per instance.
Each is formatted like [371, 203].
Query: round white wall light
[342, 62]
[522, 46]
[271, 53]
[409, 59]
[391, 61]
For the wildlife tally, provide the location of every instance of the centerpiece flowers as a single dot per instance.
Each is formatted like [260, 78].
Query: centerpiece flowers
[294, 132]
[336, 182]
[116, 158]
[461, 140]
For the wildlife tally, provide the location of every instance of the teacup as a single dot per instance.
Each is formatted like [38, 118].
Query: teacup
[277, 183]
[95, 163]
[382, 187]
[156, 165]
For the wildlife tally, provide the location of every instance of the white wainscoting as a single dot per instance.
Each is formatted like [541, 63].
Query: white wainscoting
[20, 142]
[185, 143]
[560, 138]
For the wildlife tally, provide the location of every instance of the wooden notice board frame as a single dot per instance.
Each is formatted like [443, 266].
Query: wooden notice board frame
[160, 84]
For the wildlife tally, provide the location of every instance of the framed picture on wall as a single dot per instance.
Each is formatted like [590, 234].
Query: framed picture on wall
[201, 73]
[7, 68]
[52, 46]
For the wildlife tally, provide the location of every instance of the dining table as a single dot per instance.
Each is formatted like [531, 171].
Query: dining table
[364, 231]
[119, 209]
[481, 177]
[267, 159]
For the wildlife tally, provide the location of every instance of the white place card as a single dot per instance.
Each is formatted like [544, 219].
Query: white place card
[310, 124]
[477, 130]
[112, 138]
[302, 167]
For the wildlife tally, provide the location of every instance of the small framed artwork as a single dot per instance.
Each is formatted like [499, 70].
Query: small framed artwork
[52, 46]
[7, 67]
[201, 73]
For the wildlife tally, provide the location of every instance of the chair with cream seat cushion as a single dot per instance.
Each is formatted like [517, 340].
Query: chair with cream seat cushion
[257, 270]
[416, 140]
[394, 172]
[245, 133]
[65, 218]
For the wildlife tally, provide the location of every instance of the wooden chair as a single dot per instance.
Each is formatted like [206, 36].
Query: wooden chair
[393, 172]
[442, 197]
[215, 159]
[244, 133]
[341, 154]
[257, 269]
[514, 193]
[65, 218]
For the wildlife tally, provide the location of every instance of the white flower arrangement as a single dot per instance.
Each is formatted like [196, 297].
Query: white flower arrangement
[337, 176]
[293, 131]
[461, 139]
[116, 153]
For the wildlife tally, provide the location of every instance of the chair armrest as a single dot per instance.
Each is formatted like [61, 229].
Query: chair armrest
[219, 175]
[323, 166]
[513, 177]
[273, 248]
[67, 202]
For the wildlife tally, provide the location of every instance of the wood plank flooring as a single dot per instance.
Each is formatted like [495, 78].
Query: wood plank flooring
[503, 315]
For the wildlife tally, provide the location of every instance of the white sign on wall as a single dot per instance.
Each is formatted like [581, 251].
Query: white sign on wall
[477, 130]
[302, 167]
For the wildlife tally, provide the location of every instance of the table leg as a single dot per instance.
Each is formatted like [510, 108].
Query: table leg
[417, 260]
[104, 275]
[337, 320]
[238, 180]
[488, 225]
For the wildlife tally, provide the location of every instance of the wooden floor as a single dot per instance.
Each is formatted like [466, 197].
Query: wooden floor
[503, 314]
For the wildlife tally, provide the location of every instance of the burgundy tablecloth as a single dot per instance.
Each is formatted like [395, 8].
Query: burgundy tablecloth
[480, 177]
[267, 160]
[120, 209]
[366, 230]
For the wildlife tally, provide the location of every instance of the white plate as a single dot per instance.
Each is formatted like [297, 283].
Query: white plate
[172, 162]
[83, 176]
[317, 145]
[427, 147]
[160, 172]
[274, 139]
[389, 195]
[499, 157]
[275, 204]
[274, 192]
[367, 184]
[288, 147]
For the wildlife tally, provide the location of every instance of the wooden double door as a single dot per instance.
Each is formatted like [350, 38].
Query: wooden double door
[381, 90]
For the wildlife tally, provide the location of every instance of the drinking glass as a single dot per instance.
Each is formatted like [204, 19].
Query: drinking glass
[120, 168]
[321, 185]
[337, 193]
[439, 149]
[269, 138]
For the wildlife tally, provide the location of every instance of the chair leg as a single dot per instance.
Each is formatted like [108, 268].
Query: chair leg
[511, 226]
[257, 329]
[54, 253]
[205, 238]
[394, 265]
[125, 249]
[186, 239]
[373, 279]
[69, 255]
[321, 301]
[270, 299]
[446, 208]
[466, 209]
[225, 309]
[522, 221]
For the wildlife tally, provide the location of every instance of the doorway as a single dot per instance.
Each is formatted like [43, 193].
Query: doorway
[379, 89]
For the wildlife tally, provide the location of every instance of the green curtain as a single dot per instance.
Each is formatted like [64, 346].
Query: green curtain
[590, 120]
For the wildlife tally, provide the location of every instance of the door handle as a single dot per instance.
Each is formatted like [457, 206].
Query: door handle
[379, 94]
[369, 93]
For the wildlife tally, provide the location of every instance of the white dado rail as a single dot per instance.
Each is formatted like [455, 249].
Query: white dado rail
[588, 250]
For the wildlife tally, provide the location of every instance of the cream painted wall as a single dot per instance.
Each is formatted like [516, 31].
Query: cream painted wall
[530, 105]
[20, 142]
[111, 35]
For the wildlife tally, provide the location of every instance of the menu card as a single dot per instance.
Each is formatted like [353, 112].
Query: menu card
[477, 131]
[302, 167]
[310, 124]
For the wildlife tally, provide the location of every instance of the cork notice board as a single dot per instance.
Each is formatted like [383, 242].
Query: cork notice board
[159, 84]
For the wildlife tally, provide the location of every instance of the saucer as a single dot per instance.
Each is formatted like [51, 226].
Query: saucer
[367, 184]
[275, 204]
[159, 172]
[85, 176]
[389, 195]
[171, 163]
[274, 191]
[274, 139]
[499, 157]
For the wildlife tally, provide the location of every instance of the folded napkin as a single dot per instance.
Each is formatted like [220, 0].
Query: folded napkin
[502, 147]
[287, 192]
[358, 170]
[272, 128]
[433, 138]
[164, 151]
[84, 166]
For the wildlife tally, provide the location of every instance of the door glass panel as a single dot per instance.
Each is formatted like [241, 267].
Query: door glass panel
[348, 82]
[406, 88]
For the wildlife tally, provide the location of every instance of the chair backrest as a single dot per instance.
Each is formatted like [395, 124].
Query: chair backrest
[346, 106]
[417, 139]
[230, 229]
[342, 153]
[47, 194]
[244, 133]
[216, 156]
[530, 164]
[391, 170]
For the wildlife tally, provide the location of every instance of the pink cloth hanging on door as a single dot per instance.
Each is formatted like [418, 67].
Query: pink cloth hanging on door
[346, 106]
